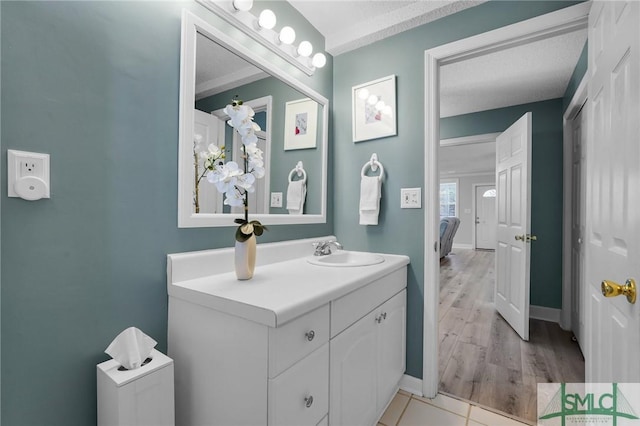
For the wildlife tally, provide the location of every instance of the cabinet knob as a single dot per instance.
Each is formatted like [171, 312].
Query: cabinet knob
[384, 315]
[310, 335]
[308, 401]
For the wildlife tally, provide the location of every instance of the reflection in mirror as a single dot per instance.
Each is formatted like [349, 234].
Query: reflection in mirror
[292, 118]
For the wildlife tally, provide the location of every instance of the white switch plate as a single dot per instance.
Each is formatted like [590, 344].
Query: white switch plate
[410, 198]
[21, 164]
[276, 199]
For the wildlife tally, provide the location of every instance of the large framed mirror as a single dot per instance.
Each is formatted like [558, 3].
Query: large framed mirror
[214, 69]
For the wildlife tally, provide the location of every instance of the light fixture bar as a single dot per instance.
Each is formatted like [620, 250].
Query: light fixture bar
[245, 21]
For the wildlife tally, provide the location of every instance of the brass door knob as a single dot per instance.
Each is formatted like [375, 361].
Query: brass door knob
[519, 237]
[531, 238]
[612, 289]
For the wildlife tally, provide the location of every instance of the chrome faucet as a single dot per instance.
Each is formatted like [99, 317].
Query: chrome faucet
[323, 248]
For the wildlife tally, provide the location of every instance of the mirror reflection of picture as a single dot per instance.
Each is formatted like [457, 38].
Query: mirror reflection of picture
[374, 109]
[301, 124]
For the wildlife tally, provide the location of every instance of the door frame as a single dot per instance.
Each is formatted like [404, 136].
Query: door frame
[544, 26]
[577, 101]
[474, 210]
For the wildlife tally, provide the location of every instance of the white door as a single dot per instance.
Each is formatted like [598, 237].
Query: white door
[513, 185]
[612, 238]
[209, 127]
[486, 217]
[579, 137]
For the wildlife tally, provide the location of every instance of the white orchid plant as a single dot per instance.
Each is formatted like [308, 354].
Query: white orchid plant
[229, 178]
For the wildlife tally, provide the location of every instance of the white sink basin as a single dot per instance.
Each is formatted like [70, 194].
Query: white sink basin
[344, 258]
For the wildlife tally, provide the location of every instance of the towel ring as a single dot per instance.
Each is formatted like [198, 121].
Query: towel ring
[299, 170]
[374, 164]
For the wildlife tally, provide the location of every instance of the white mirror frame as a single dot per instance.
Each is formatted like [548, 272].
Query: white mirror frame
[191, 25]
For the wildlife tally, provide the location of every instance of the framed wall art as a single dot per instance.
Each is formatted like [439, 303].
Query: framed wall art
[374, 109]
[300, 124]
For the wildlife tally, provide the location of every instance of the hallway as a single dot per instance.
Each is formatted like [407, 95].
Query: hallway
[481, 358]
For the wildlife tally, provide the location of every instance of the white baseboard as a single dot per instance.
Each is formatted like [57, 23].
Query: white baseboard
[411, 384]
[544, 313]
[462, 246]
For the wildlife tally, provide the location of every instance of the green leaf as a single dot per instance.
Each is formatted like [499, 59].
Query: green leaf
[240, 237]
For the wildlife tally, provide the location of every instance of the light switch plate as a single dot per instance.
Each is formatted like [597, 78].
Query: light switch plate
[410, 198]
[276, 199]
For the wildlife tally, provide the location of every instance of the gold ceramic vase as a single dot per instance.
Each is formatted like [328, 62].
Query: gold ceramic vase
[245, 258]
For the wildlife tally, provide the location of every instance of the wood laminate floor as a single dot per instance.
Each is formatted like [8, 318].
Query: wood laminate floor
[481, 358]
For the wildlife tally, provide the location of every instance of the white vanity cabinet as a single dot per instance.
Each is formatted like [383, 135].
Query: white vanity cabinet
[367, 362]
[299, 344]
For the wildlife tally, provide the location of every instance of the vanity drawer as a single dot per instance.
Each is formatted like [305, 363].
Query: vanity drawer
[300, 395]
[355, 305]
[296, 339]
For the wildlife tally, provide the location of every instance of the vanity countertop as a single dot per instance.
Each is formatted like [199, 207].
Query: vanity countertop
[280, 291]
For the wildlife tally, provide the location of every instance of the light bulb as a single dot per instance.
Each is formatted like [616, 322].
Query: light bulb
[319, 60]
[372, 100]
[305, 48]
[267, 19]
[287, 35]
[244, 5]
[363, 94]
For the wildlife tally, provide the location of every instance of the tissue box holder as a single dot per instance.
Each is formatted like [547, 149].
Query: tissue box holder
[143, 396]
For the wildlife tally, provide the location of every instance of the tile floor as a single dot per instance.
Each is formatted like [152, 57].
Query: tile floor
[412, 410]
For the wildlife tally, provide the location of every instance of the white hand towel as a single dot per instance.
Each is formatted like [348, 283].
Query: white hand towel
[370, 193]
[296, 194]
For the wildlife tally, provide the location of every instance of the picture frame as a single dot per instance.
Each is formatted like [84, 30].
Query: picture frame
[373, 106]
[300, 124]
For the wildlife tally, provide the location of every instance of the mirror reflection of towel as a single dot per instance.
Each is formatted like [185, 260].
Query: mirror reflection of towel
[296, 194]
[370, 193]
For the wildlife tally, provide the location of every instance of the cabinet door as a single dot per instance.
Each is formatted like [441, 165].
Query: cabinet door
[352, 378]
[391, 346]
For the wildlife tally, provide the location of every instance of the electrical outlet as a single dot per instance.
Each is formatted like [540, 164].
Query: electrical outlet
[27, 175]
[276, 199]
[31, 166]
[410, 198]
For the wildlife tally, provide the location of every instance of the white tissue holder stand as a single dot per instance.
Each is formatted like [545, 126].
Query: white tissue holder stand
[143, 396]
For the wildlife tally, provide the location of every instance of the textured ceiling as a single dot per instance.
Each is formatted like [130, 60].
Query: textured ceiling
[349, 24]
[527, 73]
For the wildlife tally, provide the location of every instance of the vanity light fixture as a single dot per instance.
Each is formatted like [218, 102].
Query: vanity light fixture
[267, 19]
[319, 60]
[244, 5]
[305, 48]
[262, 30]
[287, 35]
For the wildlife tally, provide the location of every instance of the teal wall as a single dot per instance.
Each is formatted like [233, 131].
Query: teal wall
[546, 185]
[95, 85]
[576, 77]
[401, 231]
[281, 161]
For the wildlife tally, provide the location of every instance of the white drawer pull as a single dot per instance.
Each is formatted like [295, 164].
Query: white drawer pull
[310, 335]
[308, 401]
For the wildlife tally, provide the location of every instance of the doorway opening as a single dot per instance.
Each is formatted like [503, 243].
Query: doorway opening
[514, 35]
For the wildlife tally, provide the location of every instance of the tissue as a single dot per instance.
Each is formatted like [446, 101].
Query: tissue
[130, 348]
